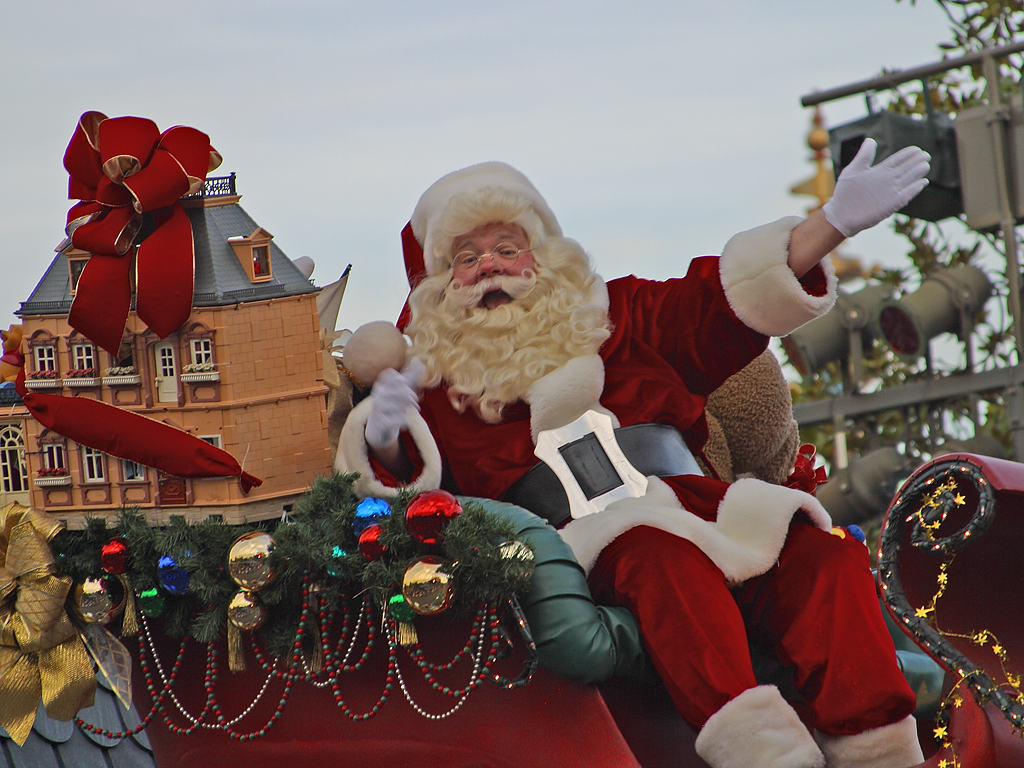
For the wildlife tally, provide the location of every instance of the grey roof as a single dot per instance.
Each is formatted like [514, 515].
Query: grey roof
[219, 278]
[61, 744]
[9, 396]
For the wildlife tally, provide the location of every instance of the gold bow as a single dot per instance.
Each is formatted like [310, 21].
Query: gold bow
[41, 654]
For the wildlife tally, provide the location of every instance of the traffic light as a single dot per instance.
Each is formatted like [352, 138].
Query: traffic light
[846, 329]
[933, 133]
[864, 488]
[946, 301]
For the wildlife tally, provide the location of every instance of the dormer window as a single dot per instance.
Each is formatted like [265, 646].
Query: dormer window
[253, 253]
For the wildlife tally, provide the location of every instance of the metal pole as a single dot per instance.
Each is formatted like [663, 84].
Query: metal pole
[889, 80]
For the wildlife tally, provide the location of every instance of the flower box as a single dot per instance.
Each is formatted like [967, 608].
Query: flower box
[82, 381]
[48, 481]
[123, 380]
[43, 383]
[194, 376]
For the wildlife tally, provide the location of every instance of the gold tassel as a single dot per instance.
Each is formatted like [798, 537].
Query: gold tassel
[130, 622]
[407, 634]
[236, 655]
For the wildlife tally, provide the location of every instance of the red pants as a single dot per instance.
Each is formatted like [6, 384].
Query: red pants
[817, 609]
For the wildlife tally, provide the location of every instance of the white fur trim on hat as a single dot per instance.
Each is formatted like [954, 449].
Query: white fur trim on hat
[757, 728]
[761, 288]
[896, 745]
[480, 194]
[354, 454]
[744, 541]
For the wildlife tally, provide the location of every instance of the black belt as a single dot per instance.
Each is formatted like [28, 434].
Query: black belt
[654, 449]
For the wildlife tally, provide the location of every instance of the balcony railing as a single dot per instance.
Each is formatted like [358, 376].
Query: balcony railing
[215, 186]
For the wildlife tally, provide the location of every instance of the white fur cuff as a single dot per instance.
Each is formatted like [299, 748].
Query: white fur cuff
[353, 453]
[761, 288]
[895, 746]
[757, 728]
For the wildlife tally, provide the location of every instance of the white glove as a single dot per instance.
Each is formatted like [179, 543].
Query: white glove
[867, 194]
[392, 395]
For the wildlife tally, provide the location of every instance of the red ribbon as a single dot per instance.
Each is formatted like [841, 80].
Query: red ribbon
[131, 436]
[120, 169]
[805, 477]
[129, 178]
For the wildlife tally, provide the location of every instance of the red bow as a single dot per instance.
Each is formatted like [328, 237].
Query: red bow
[805, 477]
[121, 168]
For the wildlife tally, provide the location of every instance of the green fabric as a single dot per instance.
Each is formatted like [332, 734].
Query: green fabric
[575, 638]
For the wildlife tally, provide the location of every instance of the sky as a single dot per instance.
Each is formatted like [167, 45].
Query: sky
[655, 130]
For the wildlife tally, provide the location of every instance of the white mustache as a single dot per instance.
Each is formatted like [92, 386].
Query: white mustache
[516, 286]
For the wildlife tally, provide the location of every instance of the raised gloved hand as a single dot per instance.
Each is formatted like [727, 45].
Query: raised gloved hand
[392, 395]
[866, 194]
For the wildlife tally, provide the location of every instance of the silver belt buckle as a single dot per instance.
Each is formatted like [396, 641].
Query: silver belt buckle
[602, 473]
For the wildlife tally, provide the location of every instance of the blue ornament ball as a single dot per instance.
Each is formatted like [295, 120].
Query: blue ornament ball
[173, 577]
[857, 532]
[370, 511]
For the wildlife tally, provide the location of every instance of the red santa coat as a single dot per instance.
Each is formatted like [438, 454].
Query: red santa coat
[672, 343]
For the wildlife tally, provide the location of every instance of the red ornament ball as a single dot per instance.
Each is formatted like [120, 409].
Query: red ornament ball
[370, 544]
[114, 557]
[428, 515]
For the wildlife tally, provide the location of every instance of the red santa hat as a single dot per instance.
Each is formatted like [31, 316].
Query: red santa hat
[463, 200]
[467, 198]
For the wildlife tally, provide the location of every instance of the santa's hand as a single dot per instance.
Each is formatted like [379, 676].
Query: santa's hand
[866, 194]
[392, 395]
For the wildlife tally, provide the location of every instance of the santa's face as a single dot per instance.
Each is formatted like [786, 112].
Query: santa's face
[485, 255]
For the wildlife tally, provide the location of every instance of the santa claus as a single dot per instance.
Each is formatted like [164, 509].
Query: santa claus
[521, 350]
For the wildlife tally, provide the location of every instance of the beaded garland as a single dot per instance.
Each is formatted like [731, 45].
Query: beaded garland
[483, 649]
[324, 642]
[940, 491]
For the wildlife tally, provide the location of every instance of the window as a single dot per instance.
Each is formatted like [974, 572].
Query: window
[83, 357]
[53, 456]
[132, 471]
[13, 473]
[94, 465]
[75, 268]
[213, 440]
[202, 352]
[261, 260]
[46, 357]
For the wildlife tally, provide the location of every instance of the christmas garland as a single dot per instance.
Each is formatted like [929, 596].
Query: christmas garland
[416, 554]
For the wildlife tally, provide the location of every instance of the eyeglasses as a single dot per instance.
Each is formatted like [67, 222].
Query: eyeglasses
[504, 254]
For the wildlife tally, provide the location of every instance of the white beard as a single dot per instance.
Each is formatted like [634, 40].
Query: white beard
[490, 357]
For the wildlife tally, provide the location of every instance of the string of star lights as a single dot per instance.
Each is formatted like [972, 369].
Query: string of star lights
[941, 493]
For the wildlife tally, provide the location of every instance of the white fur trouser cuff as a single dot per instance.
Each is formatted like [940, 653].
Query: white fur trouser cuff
[894, 746]
[758, 728]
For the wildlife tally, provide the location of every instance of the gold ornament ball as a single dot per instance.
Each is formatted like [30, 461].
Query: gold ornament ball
[249, 560]
[98, 601]
[427, 587]
[246, 611]
[817, 139]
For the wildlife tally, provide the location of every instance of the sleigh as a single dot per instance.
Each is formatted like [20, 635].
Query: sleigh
[949, 562]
